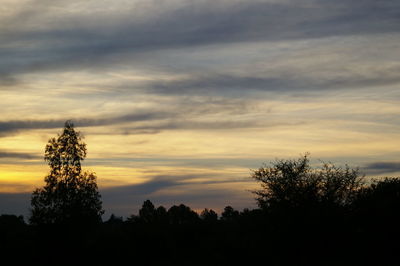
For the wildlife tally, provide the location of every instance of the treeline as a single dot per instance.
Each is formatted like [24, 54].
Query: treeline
[307, 231]
[306, 216]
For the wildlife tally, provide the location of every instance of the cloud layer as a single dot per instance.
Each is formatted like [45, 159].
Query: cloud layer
[46, 36]
[178, 99]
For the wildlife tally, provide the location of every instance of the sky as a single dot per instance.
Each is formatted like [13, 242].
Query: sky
[179, 100]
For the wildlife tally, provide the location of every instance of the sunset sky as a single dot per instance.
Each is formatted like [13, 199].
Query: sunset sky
[179, 99]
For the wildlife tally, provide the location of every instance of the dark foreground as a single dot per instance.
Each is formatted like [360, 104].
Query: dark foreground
[366, 235]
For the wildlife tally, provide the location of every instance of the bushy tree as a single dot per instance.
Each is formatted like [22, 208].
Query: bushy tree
[11, 221]
[69, 195]
[381, 199]
[229, 214]
[209, 215]
[182, 214]
[294, 184]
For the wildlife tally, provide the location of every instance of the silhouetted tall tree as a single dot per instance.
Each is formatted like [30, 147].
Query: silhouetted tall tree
[161, 215]
[69, 195]
[148, 212]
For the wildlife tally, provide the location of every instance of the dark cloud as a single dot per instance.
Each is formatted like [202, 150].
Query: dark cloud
[13, 126]
[7, 80]
[152, 128]
[143, 189]
[187, 114]
[219, 83]
[284, 82]
[205, 163]
[378, 168]
[67, 45]
[214, 125]
[126, 200]
[196, 125]
[10, 127]
[17, 155]
[162, 182]
[15, 203]
[217, 199]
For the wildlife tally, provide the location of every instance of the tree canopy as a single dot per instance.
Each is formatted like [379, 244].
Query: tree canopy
[294, 183]
[69, 195]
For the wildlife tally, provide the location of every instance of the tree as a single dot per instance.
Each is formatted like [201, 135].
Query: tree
[161, 215]
[380, 201]
[182, 214]
[209, 215]
[229, 214]
[294, 184]
[10, 221]
[69, 195]
[148, 212]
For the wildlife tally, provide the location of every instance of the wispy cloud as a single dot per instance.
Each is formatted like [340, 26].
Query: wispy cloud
[184, 87]
[58, 41]
[379, 168]
[10, 127]
[281, 83]
[169, 190]
[17, 155]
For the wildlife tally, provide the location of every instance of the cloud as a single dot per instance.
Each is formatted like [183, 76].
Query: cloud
[17, 155]
[201, 113]
[378, 168]
[205, 125]
[126, 200]
[219, 83]
[7, 80]
[145, 66]
[161, 182]
[286, 81]
[13, 126]
[143, 189]
[15, 203]
[73, 40]
[9, 127]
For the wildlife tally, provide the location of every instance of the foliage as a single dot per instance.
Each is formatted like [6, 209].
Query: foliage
[294, 184]
[9, 220]
[148, 212]
[229, 214]
[308, 216]
[69, 195]
[182, 214]
[209, 215]
[381, 199]
[249, 237]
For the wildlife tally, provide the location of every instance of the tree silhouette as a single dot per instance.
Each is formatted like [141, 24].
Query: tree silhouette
[69, 195]
[294, 184]
[229, 214]
[161, 215]
[148, 212]
[182, 214]
[11, 221]
[209, 215]
[380, 201]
